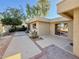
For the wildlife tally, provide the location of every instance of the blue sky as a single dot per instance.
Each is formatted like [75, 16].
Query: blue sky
[4, 4]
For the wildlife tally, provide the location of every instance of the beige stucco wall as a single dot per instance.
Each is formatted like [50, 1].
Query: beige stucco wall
[31, 25]
[48, 27]
[43, 28]
[67, 5]
[31, 28]
[76, 32]
[52, 28]
[70, 29]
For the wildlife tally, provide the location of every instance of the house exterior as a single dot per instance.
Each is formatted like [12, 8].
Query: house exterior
[55, 22]
[70, 10]
[45, 26]
[42, 25]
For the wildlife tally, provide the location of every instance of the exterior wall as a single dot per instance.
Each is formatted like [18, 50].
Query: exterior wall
[70, 29]
[76, 32]
[37, 27]
[52, 28]
[31, 26]
[43, 28]
[67, 5]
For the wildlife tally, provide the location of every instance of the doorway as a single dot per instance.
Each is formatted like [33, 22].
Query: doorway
[61, 29]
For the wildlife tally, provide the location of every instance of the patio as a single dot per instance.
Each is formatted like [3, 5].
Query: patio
[21, 44]
[23, 47]
[60, 41]
[54, 52]
[4, 42]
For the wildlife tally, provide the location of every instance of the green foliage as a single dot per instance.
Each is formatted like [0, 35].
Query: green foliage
[11, 21]
[12, 16]
[28, 10]
[44, 6]
[40, 9]
[13, 13]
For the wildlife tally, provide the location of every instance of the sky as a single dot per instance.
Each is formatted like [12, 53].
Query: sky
[4, 4]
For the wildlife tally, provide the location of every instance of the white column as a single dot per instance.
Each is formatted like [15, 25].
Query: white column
[76, 32]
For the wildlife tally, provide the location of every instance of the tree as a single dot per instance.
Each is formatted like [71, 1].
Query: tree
[11, 21]
[40, 9]
[44, 6]
[36, 11]
[13, 13]
[12, 16]
[28, 10]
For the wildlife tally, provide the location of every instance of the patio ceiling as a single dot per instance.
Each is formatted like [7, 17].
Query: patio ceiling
[66, 7]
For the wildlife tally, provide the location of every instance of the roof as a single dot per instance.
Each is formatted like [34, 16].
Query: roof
[39, 19]
[59, 19]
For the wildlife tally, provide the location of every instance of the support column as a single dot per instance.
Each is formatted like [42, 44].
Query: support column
[52, 28]
[70, 29]
[76, 32]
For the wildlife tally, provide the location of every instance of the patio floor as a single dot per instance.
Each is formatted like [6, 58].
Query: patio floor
[54, 52]
[21, 44]
[62, 42]
[4, 42]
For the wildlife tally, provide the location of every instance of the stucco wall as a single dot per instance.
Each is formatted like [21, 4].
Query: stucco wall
[52, 28]
[76, 32]
[43, 28]
[67, 5]
[70, 29]
[37, 27]
[31, 26]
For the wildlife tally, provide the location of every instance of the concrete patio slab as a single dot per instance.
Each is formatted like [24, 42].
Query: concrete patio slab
[54, 52]
[59, 41]
[22, 44]
[44, 43]
[20, 34]
[4, 42]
